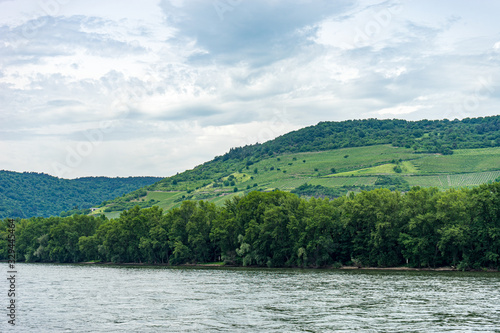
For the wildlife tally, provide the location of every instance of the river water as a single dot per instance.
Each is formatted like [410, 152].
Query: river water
[82, 298]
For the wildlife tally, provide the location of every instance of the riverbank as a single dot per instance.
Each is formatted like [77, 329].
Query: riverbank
[222, 265]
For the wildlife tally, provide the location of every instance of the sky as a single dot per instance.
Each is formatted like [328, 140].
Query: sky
[152, 88]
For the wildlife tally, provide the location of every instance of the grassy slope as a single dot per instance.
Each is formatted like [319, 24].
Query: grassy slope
[354, 167]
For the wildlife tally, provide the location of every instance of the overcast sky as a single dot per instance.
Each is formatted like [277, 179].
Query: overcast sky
[130, 88]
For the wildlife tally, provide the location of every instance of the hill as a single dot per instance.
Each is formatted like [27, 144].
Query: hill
[333, 158]
[30, 194]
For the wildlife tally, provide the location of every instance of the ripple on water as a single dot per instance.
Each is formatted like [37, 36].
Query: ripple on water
[72, 298]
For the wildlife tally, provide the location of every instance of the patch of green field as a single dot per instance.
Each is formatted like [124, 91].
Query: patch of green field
[472, 179]
[480, 151]
[409, 168]
[343, 181]
[112, 215]
[453, 180]
[161, 196]
[462, 161]
[383, 169]
[425, 181]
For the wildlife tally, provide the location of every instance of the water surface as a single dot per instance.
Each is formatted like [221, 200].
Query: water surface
[81, 298]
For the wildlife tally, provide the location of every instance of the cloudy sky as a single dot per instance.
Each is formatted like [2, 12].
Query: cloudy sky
[129, 88]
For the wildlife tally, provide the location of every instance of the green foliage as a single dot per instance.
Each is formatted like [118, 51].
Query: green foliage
[75, 211]
[393, 183]
[318, 191]
[36, 194]
[125, 205]
[422, 228]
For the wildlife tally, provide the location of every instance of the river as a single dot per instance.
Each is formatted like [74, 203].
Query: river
[95, 298]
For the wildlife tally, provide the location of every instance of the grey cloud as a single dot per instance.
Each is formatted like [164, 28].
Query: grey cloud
[62, 103]
[259, 32]
[190, 113]
[56, 36]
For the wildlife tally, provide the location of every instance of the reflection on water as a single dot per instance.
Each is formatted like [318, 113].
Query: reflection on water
[72, 298]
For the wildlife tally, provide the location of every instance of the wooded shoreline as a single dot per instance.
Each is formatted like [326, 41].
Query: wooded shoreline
[373, 229]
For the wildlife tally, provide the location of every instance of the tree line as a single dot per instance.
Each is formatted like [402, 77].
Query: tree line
[421, 228]
[423, 136]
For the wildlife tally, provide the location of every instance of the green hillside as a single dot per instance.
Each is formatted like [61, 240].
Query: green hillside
[30, 194]
[334, 158]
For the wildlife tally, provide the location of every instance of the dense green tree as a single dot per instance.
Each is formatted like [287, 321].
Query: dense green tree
[321, 238]
[422, 228]
[419, 235]
[198, 230]
[455, 233]
[484, 241]
[225, 231]
[371, 218]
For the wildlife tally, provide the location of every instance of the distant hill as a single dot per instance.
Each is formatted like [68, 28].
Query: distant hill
[333, 158]
[31, 194]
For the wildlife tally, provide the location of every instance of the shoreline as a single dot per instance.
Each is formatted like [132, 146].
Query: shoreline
[212, 265]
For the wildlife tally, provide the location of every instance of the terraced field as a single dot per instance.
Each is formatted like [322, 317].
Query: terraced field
[341, 168]
[453, 180]
[470, 160]
[472, 179]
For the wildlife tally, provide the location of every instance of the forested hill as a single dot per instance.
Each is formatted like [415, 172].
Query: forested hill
[36, 194]
[419, 137]
[425, 136]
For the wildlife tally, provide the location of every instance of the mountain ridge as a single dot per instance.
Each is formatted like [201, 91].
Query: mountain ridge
[27, 194]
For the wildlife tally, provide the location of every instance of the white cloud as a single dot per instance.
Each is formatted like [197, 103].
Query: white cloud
[398, 111]
[180, 84]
